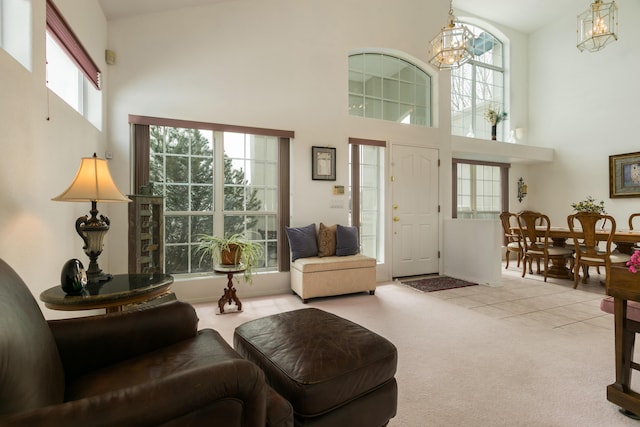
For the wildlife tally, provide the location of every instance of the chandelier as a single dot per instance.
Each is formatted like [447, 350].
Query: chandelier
[597, 26]
[452, 46]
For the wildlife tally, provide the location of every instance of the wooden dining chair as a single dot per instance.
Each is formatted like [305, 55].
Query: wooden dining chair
[537, 245]
[512, 239]
[587, 251]
[636, 246]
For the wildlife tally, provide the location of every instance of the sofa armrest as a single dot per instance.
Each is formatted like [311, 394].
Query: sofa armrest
[230, 393]
[88, 343]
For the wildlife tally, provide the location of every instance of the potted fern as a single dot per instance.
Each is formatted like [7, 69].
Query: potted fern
[235, 250]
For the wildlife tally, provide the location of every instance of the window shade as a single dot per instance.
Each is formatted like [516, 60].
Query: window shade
[61, 31]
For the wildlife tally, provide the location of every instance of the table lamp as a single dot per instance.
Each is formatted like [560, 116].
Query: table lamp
[93, 183]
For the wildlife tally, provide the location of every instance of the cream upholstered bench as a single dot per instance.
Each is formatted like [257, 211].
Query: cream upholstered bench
[333, 275]
[329, 263]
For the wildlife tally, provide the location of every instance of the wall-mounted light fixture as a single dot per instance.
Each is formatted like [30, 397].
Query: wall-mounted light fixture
[522, 189]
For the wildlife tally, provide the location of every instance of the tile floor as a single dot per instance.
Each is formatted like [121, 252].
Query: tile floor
[532, 302]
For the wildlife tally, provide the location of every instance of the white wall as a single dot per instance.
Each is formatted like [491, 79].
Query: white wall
[40, 157]
[585, 105]
[277, 64]
[281, 64]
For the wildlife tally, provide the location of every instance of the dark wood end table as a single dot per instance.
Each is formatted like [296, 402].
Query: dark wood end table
[111, 295]
[624, 286]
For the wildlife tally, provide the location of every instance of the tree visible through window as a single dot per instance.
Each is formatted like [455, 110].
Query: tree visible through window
[213, 182]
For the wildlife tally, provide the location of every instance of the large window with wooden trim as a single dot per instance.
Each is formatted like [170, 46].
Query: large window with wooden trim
[215, 179]
[480, 189]
[366, 189]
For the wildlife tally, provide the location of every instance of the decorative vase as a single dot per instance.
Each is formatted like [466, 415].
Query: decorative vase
[494, 132]
[73, 277]
[231, 256]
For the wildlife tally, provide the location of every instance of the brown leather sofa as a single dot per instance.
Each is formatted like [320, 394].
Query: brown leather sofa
[145, 367]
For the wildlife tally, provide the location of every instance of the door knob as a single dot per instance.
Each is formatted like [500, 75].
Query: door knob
[396, 219]
[395, 206]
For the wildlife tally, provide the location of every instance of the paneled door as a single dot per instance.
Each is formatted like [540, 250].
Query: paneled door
[414, 194]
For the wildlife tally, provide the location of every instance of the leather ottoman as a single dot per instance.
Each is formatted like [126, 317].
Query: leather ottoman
[333, 372]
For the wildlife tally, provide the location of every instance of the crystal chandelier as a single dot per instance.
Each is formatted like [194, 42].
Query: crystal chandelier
[597, 26]
[452, 46]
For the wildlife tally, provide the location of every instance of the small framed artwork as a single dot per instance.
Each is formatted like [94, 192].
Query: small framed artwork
[323, 163]
[624, 175]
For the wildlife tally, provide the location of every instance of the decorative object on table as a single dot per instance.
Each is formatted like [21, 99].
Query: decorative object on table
[624, 175]
[236, 250]
[437, 283]
[73, 277]
[452, 46]
[494, 116]
[323, 163]
[634, 262]
[597, 26]
[522, 189]
[589, 205]
[93, 183]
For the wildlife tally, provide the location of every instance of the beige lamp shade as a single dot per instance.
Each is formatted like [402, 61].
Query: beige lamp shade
[93, 183]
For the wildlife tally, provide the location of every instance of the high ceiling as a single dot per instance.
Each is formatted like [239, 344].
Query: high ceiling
[523, 15]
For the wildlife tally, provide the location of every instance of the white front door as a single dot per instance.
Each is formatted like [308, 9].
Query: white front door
[414, 190]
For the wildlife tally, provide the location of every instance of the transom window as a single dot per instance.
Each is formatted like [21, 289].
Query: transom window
[478, 85]
[389, 88]
[71, 73]
[16, 30]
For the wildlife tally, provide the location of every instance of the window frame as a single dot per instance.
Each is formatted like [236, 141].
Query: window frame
[141, 164]
[16, 31]
[501, 104]
[386, 82]
[504, 182]
[61, 31]
[355, 190]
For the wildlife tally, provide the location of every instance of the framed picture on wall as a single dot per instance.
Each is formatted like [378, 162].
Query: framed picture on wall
[624, 175]
[323, 163]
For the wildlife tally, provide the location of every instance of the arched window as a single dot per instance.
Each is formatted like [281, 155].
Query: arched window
[477, 86]
[389, 88]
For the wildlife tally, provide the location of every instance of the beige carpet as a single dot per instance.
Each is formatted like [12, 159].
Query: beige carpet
[459, 367]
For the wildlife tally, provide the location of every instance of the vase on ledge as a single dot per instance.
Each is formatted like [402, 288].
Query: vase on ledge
[494, 132]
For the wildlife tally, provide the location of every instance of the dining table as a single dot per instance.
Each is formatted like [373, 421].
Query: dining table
[624, 239]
